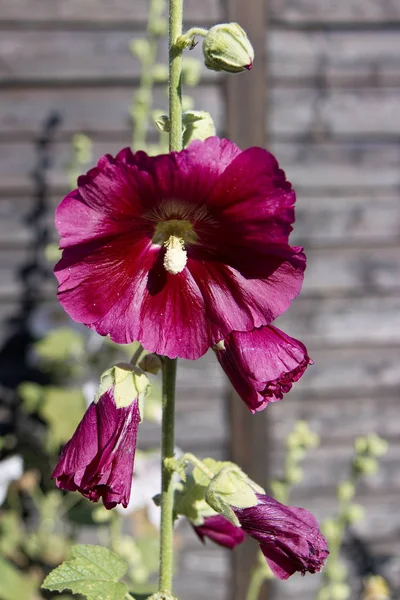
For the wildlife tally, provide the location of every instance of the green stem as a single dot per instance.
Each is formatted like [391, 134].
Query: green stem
[256, 582]
[186, 40]
[169, 365]
[175, 75]
[143, 102]
[136, 355]
[167, 488]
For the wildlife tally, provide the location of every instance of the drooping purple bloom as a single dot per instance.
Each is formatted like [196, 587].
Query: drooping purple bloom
[98, 459]
[220, 530]
[262, 364]
[180, 249]
[289, 537]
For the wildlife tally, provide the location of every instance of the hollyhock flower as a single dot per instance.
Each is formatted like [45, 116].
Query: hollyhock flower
[98, 459]
[289, 537]
[220, 530]
[178, 250]
[262, 364]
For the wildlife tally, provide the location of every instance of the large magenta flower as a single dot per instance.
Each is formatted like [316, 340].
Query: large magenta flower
[262, 364]
[98, 459]
[289, 537]
[220, 530]
[178, 250]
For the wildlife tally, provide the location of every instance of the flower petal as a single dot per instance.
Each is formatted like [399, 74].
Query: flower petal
[262, 364]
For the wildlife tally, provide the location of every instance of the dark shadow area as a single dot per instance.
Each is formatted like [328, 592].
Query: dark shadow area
[15, 366]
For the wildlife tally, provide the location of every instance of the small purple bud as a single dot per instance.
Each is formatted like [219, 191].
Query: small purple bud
[220, 530]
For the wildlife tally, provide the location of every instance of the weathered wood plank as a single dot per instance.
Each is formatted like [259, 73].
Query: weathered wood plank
[338, 457]
[361, 12]
[332, 58]
[350, 372]
[57, 12]
[338, 421]
[351, 166]
[371, 219]
[343, 321]
[324, 167]
[56, 57]
[99, 111]
[300, 113]
[352, 270]
[334, 114]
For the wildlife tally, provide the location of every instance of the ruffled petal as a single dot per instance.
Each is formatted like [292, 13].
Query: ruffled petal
[262, 364]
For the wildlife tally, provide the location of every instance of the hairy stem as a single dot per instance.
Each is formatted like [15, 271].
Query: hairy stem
[167, 489]
[175, 75]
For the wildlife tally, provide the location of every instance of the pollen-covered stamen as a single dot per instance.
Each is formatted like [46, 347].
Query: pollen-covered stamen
[175, 255]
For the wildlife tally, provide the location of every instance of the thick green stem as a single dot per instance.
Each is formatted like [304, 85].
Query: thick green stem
[256, 582]
[169, 365]
[175, 75]
[167, 489]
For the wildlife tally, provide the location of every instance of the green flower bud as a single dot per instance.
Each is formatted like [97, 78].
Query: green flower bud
[197, 125]
[151, 363]
[331, 530]
[226, 47]
[160, 73]
[377, 446]
[354, 513]
[366, 465]
[340, 591]
[345, 491]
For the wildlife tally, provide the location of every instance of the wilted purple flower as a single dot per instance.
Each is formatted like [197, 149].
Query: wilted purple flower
[98, 459]
[262, 364]
[289, 537]
[220, 530]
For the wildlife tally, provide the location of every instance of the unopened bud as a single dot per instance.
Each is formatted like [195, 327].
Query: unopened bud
[226, 47]
[151, 363]
[197, 125]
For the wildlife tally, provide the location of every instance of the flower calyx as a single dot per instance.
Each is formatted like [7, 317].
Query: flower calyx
[128, 383]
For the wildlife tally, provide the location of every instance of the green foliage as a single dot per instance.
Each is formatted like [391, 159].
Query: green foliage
[61, 345]
[62, 409]
[92, 571]
[31, 395]
[14, 583]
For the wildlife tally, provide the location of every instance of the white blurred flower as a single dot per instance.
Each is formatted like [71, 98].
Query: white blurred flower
[10, 469]
[89, 390]
[146, 484]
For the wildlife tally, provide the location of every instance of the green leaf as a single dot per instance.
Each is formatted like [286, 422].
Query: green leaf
[61, 345]
[31, 394]
[14, 583]
[93, 571]
[62, 409]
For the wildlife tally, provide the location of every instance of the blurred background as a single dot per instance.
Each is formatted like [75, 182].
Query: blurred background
[324, 97]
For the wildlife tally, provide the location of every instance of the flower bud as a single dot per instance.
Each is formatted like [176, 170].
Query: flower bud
[151, 363]
[226, 47]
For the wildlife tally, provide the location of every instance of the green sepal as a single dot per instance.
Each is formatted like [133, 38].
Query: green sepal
[197, 125]
[128, 383]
